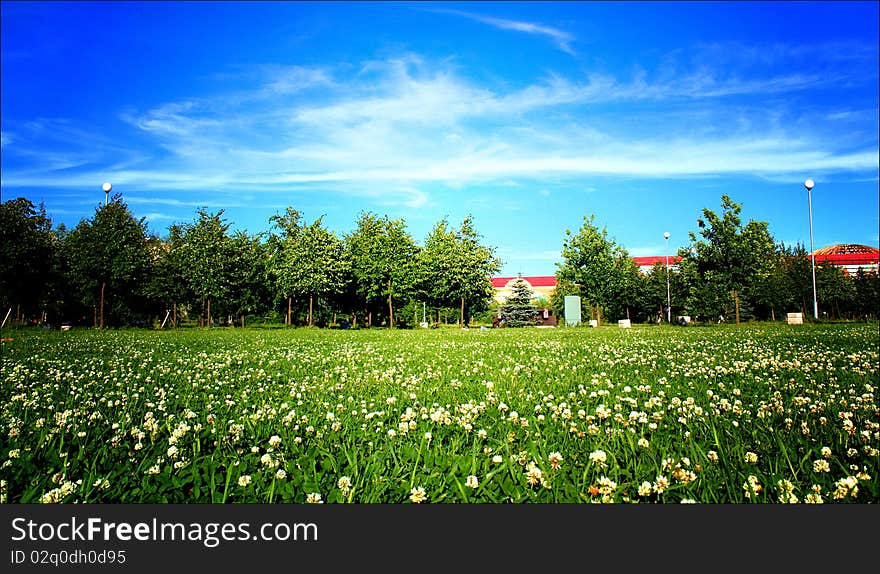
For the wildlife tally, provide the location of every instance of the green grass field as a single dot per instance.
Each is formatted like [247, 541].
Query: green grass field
[722, 414]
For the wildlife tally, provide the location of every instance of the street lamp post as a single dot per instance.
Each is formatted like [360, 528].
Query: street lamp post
[106, 187]
[668, 298]
[809, 185]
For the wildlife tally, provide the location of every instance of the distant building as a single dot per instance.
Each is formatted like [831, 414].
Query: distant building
[851, 257]
[647, 263]
[541, 286]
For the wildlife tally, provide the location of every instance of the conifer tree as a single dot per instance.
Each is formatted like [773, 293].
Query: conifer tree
[518, 310]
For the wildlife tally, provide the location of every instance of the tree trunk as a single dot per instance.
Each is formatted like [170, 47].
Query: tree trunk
[598, 316]
[289, 302]
[369, 320]
[311, 305]
[95, 313]
[736, 304]
[772, 315]
[627, 313]
[103, 285]
[462, 313]
[209, 313]
[354, 320]
[174, 317]
[390, 308]
[242, 320]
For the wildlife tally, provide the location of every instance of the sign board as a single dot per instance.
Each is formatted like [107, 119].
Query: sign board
[572, 310]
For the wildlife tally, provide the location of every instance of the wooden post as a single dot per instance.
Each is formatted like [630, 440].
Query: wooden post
[736, 304]
[462, 313]
[390, 308]
[103, 285]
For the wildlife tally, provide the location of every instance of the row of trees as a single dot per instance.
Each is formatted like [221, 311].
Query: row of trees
[108, 271]
[729, 269]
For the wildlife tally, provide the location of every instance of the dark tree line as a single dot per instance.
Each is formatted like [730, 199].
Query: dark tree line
[732, 270]
[108, 271]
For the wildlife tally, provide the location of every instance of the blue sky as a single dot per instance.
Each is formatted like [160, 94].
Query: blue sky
[527, 116]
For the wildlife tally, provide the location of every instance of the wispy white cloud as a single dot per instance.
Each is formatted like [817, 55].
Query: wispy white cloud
[562, 39]
[398, 125]
[140, 200]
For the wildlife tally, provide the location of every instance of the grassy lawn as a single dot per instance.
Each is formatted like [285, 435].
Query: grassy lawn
[760, 413]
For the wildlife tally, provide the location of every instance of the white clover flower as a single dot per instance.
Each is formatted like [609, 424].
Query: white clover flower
[751, 457]
[344, 484]
[274, 441]
[821, 465]
[645, 489]
[661, 483]
[752, 486]
[314, 498]
[598, 456]
[555, 459]
[497, 459]
[244, 480]
[534, 475]
[280, 474]
[472, 481]
[418, 495]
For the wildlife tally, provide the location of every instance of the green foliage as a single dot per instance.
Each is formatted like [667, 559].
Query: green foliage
[109, 260]
[382, 255]
[308, 261]
[454, 269]
[27, 252]
[205, 252]
[603, 271]
[730, 260]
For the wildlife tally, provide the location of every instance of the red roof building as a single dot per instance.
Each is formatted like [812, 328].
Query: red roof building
[849, 256]
[646, 263]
